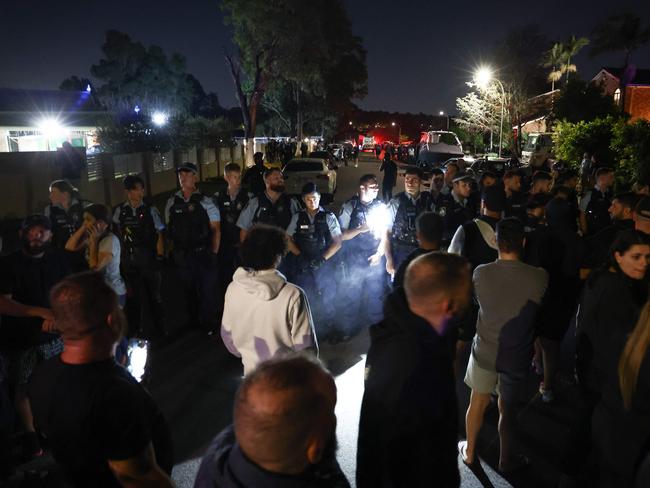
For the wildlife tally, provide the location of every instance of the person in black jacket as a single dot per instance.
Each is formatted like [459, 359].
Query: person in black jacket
[389, 181]
[611, 301]
[409, 414]
[283, 432]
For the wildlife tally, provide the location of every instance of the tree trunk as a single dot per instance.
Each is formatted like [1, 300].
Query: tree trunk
[299, 120]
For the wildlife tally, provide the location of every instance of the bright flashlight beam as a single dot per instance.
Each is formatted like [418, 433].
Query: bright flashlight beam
[378, 219]
[483, 77]
[137, 358]
[159, 118]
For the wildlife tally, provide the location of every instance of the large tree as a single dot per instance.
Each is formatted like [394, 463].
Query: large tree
[620, 33]
[301, 53]
[133, 74]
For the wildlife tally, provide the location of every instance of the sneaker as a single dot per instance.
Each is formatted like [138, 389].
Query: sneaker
[546, 394]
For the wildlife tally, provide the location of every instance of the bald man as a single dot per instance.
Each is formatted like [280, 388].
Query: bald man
[283, 433]
[408, 424]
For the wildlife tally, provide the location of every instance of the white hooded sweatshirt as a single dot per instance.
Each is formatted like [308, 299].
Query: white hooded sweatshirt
[265, 316]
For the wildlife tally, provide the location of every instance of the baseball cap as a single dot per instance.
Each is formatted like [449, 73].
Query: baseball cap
[642, 208]
[463, 175]
[494, 198]
[187, 167]
[36, 219]
[309, 188]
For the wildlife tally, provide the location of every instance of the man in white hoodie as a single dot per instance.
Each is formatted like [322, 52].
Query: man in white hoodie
[264, 315]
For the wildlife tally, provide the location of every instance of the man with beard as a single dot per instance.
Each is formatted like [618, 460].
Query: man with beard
[283, 432]
[404, 208]
[363, 219]
[26, 277]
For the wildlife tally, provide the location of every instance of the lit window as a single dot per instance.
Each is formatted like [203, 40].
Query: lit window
[617, 96]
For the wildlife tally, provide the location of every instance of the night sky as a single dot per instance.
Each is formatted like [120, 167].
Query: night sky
[420, 52]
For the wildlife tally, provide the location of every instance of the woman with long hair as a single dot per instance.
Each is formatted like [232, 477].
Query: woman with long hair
[611, 302]
[621, 420]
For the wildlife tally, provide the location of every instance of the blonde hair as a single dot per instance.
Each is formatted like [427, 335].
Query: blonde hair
[632, 356]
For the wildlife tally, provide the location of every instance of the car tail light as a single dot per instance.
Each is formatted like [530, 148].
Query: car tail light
[323, 177]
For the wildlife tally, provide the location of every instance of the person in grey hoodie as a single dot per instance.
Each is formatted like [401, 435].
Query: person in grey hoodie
[264, 315]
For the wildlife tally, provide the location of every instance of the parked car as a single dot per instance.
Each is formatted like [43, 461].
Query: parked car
[299, 171]
[498, 166]
[436, 147]
[331, 159]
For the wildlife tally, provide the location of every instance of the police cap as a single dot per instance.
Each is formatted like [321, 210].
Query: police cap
[187, 167]
[309, 188]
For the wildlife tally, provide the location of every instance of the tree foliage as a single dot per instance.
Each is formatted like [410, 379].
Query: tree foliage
[133, 74]
[301, 55]
[621, 32]
[584, 101]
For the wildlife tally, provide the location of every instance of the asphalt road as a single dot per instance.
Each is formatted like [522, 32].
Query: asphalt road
[194, 380]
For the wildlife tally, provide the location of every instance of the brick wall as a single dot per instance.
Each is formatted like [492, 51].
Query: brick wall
[637, 102]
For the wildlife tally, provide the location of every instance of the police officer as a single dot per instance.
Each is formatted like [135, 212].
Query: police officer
[404, 208]
[315, 238]
[254, 177]
[456, 208]
[230, 202]
[363, 221]
[194, 227]
[594, 206]
[65, 211]
[272, 206]
[140, 229]
[540, 183]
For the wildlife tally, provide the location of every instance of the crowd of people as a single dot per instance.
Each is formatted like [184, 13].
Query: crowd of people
[497, 267]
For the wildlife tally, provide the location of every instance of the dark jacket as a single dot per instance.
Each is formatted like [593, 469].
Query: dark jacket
[599, 244]
[226, 466]
[409, 414]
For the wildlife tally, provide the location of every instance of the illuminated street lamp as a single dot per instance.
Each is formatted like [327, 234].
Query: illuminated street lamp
[399, 132]
[159, 118]
[482, 78]
[442, 112]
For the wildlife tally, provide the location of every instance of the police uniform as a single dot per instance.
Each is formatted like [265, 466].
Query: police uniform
[595, 204]
[261, 209]
[361, 295]
[454, 212]
[403, 212]
[64, 224]
[229, 209]
[313, 236]
[138, 230]
[188, 223]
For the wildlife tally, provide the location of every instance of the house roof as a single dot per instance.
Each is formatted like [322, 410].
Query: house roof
[22, 108]
[642, 76]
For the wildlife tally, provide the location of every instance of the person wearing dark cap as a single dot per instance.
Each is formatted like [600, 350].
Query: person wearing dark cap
[254, 176]
[315, 238]
[515, 198]
[535, 211]
[140, 229]
[194, 228]
[65, 211]
[26, 277]
[404, 208]
[594, 205]
[456, 209]
[642, 215]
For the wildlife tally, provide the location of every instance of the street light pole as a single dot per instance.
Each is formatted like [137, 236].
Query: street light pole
[503, 102]
[482, 78]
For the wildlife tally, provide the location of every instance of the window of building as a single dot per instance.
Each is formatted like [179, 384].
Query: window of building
[617, 96]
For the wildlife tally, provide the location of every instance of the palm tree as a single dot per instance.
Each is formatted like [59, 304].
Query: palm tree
[620, 32]
[555, 59]
[571, 48]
